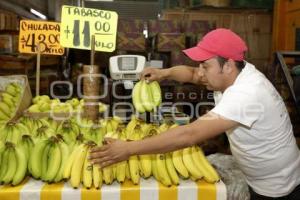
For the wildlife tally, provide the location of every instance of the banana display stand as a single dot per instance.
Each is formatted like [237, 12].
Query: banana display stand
[148, 189]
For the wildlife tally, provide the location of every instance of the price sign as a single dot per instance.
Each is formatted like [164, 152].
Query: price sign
[79, 24]
[42, 33]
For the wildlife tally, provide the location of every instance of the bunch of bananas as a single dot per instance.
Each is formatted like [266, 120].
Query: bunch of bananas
[69, 129]
[10, 99]
[13, 166]
[34, 123]
[48, 159]
[12, 132]
[79, 169]
[146, 96]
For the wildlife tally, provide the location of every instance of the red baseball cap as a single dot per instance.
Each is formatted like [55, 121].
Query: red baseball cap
[219, 42]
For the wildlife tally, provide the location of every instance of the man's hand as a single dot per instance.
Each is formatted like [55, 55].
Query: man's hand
[114, 151]
[152, 74]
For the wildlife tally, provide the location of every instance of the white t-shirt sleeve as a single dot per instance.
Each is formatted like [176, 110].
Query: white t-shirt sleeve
[240, 105]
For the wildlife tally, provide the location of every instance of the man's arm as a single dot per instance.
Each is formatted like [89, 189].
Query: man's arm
[206, 127]
[184, 74]
[180, 73]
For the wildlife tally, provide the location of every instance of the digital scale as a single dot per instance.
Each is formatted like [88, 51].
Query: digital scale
[127, 69]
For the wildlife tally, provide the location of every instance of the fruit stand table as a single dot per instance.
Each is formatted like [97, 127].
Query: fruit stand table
[148, 189]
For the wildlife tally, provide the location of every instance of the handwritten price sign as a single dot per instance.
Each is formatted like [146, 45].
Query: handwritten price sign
[79, 24]
[44, 34]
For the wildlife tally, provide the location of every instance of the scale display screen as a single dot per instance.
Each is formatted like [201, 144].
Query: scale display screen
[127, 63]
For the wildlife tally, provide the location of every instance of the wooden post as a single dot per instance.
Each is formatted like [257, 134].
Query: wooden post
[38, 71]
[91, 86]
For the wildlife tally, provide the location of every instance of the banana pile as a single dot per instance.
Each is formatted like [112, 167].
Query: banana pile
[55, 151]
[43, 103]
[146, 96]
[9, 100]
[13, 164]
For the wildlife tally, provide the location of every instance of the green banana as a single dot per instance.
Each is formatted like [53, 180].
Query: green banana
[156, 92]
[36, 157]
[5, 109]
[4, 163]
[10, 89]
[136, 98]
[54, 162]
[146, 97]
[21, 165]
[11, 166]
[64, 157]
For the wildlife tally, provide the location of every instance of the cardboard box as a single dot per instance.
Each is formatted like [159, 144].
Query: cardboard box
[26, 96]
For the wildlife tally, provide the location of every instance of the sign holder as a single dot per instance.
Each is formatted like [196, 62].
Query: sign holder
[38, 70]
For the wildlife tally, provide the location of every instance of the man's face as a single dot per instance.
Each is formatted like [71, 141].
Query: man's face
[212, 74]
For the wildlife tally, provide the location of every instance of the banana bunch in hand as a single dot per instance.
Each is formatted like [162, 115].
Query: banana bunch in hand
[9, 101]
[13, 166]
[80, 170]
[146, 96]
[48, 159]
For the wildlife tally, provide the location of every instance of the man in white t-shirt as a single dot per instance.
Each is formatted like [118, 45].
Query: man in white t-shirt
[248, 109]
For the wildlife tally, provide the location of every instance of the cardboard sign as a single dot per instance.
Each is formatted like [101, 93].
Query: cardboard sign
[42, 33]
[79, 24]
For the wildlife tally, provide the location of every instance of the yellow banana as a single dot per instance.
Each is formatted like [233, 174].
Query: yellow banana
[154, 167]
[209, 173]
[121, 171]
[107, 174]
[97, 177]
[178, 164]
[134, 169]
[145, 165]
[136, 98]
[171, 169]
[190, 164]
[76, 170]
[87, 172]
[162, 172]
[70, 161]
[127, 171]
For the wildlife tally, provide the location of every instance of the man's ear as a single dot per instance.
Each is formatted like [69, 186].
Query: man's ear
[229, 66]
